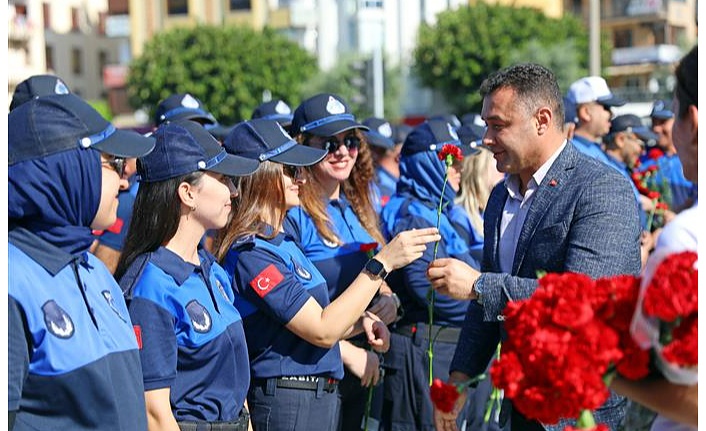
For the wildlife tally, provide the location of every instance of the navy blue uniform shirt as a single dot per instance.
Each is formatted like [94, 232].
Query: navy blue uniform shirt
[190, 334]
[339, 264]
[73, 362]
[273, 280]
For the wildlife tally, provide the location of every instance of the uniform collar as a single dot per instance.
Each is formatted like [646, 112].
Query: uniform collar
[178, 268]
[50, 257]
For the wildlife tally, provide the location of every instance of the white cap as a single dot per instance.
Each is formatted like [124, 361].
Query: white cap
[592, 89]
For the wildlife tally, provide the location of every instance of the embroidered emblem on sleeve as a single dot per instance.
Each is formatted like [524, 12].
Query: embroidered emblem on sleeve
[266, 281]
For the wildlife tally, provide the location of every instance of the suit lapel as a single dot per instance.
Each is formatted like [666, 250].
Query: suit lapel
[547, 192]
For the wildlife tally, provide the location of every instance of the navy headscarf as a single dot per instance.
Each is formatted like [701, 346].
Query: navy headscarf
[56, 197]
[422, 176]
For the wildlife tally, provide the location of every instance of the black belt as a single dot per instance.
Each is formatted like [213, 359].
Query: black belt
[309, 383]
[238, 425]
[445, 334]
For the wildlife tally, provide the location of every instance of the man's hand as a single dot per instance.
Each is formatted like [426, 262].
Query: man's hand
[453, 278]
[364, 364]
[385, 308]
[447, 421]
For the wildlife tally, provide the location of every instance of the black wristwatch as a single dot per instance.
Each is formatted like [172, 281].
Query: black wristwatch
[375, 268]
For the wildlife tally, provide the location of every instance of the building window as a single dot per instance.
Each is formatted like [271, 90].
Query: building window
[76, 61]
[623, 39]
[677, 35]
[46, 15]
[74, 19]
[178, 7]
[240, 5]
[371, 4]
[102, 62]
[49, 57]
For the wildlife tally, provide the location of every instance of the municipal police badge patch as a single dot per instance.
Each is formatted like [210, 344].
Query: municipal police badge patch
[200, 318]
[58, 322]
[301, 271]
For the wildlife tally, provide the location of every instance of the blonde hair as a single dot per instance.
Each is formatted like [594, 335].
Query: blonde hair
[261, 202]
[357, 189]
[475, 189]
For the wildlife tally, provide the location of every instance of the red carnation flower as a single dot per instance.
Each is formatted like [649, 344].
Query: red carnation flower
[450, 150]
[444, 395]
[684, 348]
[655, 153]
[673, 290]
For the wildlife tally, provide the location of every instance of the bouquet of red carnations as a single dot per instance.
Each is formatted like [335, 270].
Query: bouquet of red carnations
[666, 318]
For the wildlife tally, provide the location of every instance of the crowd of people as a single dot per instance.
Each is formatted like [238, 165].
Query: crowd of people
[304, 270]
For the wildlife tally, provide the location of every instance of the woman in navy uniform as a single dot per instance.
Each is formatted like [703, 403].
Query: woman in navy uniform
[192, 345]
[292, 328]
[333, 225]
[415, 205]
[69, 333]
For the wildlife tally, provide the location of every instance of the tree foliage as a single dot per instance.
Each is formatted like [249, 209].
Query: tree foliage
[227, 68]
[467, 44]
[341, 81]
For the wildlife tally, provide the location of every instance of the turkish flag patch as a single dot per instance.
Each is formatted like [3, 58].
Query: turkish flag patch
[265, 281]
[138, 335]
[117, 226]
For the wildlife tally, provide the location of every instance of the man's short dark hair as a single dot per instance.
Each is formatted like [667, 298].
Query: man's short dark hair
[534, 84]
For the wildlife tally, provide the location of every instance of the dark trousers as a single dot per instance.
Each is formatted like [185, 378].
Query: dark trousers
[353, 402]
[407, 405]
[275, 408]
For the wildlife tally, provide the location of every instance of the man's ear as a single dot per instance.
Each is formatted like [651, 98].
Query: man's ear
[543, 117]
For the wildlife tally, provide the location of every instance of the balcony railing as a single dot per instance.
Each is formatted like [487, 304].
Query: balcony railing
[634, 8]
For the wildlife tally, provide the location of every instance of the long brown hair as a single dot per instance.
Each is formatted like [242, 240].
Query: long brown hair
[261, 202]
[357, 189]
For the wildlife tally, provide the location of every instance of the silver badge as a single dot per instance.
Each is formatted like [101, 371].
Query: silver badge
[189, 102]
[282, 108]
[333, 106]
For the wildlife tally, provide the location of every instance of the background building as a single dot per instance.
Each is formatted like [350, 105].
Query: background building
[90, 42]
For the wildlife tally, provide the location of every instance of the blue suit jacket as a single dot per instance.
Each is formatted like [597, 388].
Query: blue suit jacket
[583, 219]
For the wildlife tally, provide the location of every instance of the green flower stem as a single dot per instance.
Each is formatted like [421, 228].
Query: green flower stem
[368, 405]
[496, 396]
[651, 216]
[586, 420]
[430, 350]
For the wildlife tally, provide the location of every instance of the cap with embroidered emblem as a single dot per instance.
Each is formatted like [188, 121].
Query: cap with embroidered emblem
[276, 110]
[184, 146]
[324, 115]
[182, 106]
[380, 133]
[37, 86]
[661, 110]
[51, 124]
[631, 124]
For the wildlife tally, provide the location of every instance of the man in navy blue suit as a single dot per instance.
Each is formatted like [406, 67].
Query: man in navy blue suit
[558, 210]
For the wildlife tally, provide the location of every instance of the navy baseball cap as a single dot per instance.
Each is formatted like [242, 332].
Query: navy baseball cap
[661, 110]
[431, 135]
[218, 130]
[276, 110]
[182, 106]
[570, 112]
[471, 137]
[184, 146]
[261, 139]
[51, 124]
[631, 124]
[324, 115]
[380, 133]
[449, 118]
[400, 132]
[37, 86]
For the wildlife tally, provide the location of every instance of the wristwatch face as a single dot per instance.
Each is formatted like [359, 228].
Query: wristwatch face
[376, 268]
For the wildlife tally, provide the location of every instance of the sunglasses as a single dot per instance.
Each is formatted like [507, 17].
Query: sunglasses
[292, 171]
[117, 164]
[331, 144]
